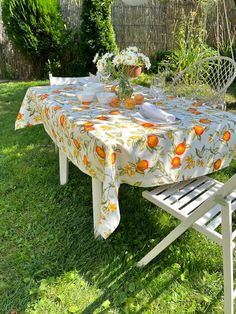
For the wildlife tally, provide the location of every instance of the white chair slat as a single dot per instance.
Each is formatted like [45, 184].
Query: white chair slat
[173, 188]
[201, 197]
[192, 185]
[160, 189]
[209, 215]
[189, 192]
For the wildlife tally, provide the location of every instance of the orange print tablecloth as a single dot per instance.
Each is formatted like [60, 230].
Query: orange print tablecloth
[107, 144]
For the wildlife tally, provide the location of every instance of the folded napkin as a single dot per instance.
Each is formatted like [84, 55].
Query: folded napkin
[152, 112]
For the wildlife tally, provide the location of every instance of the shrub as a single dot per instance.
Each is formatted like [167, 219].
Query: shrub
[96, 31]
[36, 28]
[157, 59]
[69, 63]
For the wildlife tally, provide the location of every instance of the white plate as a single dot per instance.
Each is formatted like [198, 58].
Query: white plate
[137, 117]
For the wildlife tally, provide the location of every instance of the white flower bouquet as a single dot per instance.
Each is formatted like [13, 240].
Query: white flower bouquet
[128, 63]
[131, 57]
[113, 64]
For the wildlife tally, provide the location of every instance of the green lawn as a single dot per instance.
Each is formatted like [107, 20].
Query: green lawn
[49, 259]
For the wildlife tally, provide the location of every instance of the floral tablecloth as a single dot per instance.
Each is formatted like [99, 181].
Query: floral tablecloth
[106, 143]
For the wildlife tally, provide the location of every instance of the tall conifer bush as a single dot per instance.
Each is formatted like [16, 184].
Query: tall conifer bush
[96, 31]
[36, 28]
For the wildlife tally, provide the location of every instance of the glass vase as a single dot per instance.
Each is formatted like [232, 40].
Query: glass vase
[125, 89]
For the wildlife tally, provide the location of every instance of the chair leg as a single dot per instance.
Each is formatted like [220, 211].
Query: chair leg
[97, 200]
[227, 244]
[173, 235]
[64, 167]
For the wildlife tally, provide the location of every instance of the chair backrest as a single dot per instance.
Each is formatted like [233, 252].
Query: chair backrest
[55, 80]
[206, 80]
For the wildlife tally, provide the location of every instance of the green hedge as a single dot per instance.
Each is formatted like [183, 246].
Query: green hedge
[96, 31]
[36, 28]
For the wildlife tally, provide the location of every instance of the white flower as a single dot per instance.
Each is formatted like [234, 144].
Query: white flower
[101, 66]
[118, 60]
[132, 48]
[130, 58]
[95, 57]
[147, 62]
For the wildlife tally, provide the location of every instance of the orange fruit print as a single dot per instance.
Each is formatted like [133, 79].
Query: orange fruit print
[46, 111]
[76, 143]
[87, 124]
[85, 160]
[62, 119]
[142, 165]
[195, 112]
[115, 112]
[152, 141]
[192, 109]
[57, 108]
[180, 149]
[226, 136]
[43, 96]
[19, 116]
[113, 158]
[102, 118]
[176, 162]
[217, 164]
[89, 128]
[148, 125]
[199, 130]
[205, 121]
[86, 102]
[100, 151]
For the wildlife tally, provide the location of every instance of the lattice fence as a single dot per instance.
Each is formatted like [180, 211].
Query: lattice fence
[150, 27]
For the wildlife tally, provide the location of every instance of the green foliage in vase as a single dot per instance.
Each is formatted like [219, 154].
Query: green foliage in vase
[125, 88]
[36, 28]
[96, 31]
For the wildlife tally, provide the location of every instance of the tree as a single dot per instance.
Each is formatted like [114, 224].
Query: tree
[96, 31]
[36, 28]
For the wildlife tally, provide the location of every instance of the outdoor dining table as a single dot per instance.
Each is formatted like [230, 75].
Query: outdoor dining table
[113, 148]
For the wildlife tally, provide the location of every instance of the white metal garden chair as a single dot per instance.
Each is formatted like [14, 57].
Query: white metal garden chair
[206, 80]
[207, 205]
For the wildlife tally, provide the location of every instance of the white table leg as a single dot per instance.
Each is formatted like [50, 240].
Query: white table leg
[97, 199]
[64, 167]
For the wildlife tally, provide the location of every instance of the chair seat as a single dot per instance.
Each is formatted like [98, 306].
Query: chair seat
[181, 200]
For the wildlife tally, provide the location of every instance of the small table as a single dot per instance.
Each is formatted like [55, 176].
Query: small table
[108, 145]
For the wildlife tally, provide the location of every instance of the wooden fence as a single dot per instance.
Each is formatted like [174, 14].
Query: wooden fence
[151, 27]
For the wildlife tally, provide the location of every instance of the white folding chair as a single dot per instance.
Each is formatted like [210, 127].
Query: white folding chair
[207, 205]
[56, 80]
[206, 80]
